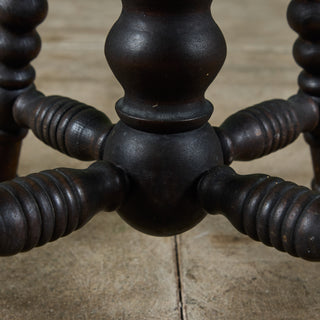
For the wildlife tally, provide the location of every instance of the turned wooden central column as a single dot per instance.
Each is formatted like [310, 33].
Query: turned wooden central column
[165, 54]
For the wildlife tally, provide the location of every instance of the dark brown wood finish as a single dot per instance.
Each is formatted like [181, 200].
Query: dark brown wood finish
[304, 18]
[69, 126]
[45, 206]
[165, 54]
[163, 166]
[163, 140]
[267, 127]
[268, 209]
[19, 44]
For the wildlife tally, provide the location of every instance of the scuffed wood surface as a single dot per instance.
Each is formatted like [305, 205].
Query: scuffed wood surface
[109, 271]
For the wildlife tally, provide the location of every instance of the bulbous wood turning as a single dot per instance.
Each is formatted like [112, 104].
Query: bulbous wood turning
[69, 126]
[304, 18]
[45, 206]
[165, 54]
[19, 44]
[271, 210]
[163, 170]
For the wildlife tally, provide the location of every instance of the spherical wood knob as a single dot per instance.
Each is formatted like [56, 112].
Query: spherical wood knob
[163, 170]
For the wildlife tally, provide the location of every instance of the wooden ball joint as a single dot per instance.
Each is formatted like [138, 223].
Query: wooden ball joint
[163, 141]
[162, 166]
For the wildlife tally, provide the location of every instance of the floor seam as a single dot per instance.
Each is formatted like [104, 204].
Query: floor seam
[177, 257]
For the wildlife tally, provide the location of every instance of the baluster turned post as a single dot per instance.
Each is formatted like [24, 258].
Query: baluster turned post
[165, 54]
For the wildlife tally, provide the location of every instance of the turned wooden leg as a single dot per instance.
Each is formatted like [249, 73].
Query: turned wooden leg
[45, 206]
[19, 44]
[304, 18]
[267, 209]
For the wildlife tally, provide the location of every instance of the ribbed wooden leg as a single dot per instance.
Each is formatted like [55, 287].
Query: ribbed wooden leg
[45, 206]
[19, 44]
[268, 209]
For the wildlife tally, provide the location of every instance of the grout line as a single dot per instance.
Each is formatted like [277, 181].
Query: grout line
[177, 256]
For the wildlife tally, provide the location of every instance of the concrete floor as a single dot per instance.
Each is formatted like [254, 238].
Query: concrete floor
[107, 270]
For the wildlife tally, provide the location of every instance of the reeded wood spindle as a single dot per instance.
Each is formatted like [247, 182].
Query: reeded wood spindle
[266, 127]
[69, 126]
[45, 206]
[267, 209]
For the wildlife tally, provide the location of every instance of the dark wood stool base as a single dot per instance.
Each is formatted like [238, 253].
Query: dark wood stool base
[162, 166]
